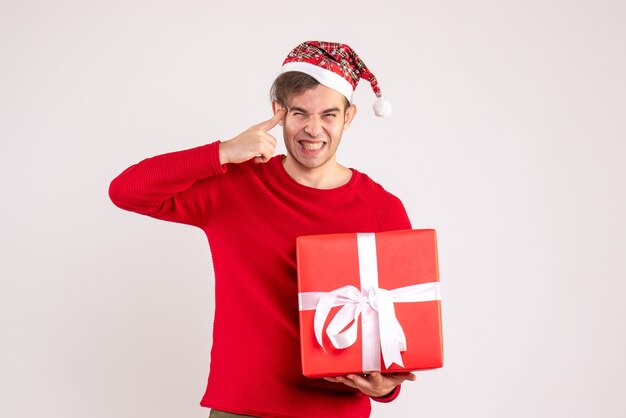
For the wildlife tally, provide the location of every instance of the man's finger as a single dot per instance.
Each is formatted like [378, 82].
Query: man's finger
[273, 121]
[359, 381]
[262, 158]
[347, 381]
[376, 378]
[398, 378]
[405, 376]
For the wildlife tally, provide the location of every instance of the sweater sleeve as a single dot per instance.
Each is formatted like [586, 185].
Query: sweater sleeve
[393, 216]
[175, 186]
[386, 207]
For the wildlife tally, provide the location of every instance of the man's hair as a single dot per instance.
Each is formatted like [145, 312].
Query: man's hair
[292, 83]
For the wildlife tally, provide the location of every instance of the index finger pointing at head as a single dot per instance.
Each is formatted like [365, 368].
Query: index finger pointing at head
[273, 121]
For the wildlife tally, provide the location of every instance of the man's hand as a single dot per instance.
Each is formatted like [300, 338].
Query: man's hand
[254, 142]
[374, 384]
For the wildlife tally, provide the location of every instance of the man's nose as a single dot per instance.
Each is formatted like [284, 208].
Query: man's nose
[313, 126]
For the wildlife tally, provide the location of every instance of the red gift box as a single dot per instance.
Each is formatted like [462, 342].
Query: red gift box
[369, 302]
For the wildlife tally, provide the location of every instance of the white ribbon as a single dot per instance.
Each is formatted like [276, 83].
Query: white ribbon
[375, 307]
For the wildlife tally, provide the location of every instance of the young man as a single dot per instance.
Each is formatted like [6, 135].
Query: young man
[252, 206]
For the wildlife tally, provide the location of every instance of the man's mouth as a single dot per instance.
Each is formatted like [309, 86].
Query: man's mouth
[312, 145]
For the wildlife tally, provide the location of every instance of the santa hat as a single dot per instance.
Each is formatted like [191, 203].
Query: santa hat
[335, 66]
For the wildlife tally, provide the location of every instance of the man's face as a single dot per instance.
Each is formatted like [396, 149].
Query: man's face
[313, 126]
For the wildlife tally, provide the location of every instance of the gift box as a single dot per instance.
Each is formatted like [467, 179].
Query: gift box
[369, 302]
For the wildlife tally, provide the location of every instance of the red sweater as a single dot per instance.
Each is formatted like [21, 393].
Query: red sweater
[252, 214]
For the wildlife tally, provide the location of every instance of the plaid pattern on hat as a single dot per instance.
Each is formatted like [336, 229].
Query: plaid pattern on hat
[336, 66]
[335, 57]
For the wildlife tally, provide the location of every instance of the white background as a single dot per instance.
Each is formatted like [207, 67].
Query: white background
[508, 137]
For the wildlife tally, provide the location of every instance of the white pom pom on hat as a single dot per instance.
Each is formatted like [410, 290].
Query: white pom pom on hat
[382, 108]
[335, 66]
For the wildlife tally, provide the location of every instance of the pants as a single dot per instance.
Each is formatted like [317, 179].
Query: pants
[221, 414]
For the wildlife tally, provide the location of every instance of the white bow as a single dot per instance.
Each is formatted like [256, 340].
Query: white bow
[388, 333]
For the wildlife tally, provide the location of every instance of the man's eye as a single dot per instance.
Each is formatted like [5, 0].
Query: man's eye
[332, 115]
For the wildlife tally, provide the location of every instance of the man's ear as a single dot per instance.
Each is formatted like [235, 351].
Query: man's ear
[275, 108]
[350, 114]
